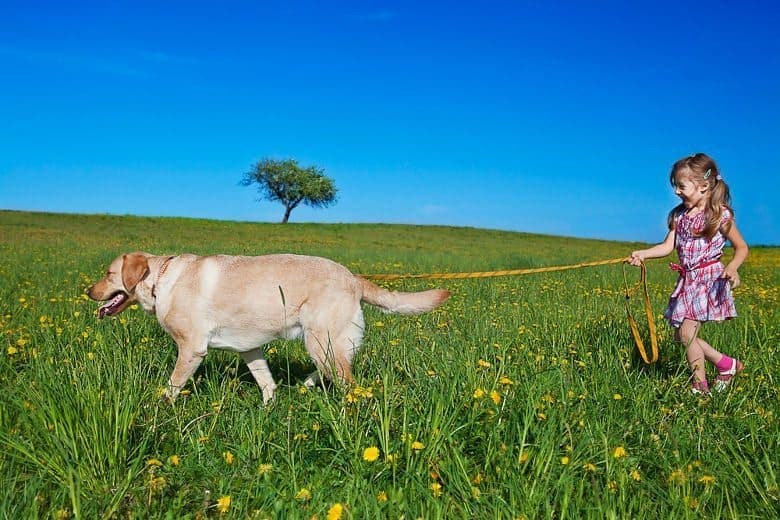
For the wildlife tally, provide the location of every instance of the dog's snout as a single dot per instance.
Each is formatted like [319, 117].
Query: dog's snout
[91, 292]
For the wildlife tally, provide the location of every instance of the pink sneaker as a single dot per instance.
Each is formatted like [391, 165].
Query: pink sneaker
[700, 388]
[723, 379]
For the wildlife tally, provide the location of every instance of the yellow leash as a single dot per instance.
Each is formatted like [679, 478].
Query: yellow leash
[648, 312]
[488, 274]
[512, 272]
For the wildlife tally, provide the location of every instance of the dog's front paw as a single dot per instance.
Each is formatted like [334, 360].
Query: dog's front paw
[313, 380]
[268, 396]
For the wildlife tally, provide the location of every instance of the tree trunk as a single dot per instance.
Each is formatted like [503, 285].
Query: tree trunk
[287, 212]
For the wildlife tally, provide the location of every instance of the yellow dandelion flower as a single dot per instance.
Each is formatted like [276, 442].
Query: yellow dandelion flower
[21, 342]
[496, 397]
[173, 460]
[589, 466]
[506, 381]
[264, 469]
[677, 477]
[304, 495]
[436, 489]
[612, 486]
[157, 484]
[382, 496]
[62, 514]
[12, 350]
[483, 364]
[523, 457]
[367, 392]
[565, 461]
[229, 457]
[479, 393]
[417, 445]
[154, 462]
[335, 511]
[707, 480]
[617, 397]
[371, 454]
[379, 324]
[223, 504]
[619, 452]
[635, 475]
[302, 390]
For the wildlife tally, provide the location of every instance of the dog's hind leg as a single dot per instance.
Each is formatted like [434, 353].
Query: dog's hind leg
[333, 348]
[259, 368]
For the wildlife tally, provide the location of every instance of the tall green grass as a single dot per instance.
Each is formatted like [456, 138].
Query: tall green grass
[521, 397]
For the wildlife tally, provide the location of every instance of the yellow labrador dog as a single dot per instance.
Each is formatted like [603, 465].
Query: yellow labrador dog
[239, 303]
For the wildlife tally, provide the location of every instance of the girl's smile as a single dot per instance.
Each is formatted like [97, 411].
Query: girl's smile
[692, 195]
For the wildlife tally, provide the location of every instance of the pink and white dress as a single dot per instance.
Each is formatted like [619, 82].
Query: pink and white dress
[701, 294]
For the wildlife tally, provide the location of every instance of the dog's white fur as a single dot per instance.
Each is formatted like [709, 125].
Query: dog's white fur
[240, 303]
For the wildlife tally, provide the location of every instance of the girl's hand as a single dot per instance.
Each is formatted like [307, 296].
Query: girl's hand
[732, 276]
[637, 257]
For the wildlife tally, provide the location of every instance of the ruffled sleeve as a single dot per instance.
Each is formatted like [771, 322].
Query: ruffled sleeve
[726, 217]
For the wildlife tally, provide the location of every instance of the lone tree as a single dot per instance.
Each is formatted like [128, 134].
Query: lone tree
[288, 183]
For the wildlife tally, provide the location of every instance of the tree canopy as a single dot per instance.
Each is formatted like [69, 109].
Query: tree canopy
[286, 182]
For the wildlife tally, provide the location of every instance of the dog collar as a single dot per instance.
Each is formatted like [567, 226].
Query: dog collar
[160, 273]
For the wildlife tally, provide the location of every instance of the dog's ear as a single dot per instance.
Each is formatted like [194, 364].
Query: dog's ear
[135, 267]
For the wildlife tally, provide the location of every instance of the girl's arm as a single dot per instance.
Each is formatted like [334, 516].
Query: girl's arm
[740, 253]
[657, 251]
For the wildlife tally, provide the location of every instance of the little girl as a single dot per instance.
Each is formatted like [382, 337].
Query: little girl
[698, 229]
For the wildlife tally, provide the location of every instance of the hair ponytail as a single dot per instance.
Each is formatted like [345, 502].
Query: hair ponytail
[720, 200]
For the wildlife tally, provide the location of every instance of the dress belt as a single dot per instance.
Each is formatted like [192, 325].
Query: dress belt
[680, 269]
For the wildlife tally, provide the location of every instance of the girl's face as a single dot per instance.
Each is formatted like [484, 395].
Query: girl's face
[693, 195]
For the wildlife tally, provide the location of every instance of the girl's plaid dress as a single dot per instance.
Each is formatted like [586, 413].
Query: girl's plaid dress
[701, 294]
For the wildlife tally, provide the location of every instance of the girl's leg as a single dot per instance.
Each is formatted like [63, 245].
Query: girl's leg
[697, 351]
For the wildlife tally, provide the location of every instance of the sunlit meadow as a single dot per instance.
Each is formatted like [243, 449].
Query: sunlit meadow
[522, 397]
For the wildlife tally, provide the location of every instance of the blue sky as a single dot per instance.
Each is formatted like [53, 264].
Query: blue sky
[552, 117]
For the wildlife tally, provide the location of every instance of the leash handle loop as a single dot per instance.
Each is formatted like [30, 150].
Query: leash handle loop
[648, 312]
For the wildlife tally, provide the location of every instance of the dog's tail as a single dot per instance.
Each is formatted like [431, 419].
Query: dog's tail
[402, 302]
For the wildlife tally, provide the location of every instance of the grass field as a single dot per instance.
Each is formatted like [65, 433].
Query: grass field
[522, 397]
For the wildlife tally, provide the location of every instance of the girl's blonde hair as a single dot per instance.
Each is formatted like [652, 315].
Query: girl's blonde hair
[701, 169]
